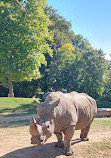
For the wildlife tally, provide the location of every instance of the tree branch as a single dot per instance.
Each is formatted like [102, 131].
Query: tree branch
[21, 6]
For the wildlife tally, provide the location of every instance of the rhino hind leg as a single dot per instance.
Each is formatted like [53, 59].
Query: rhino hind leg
[60, 143]
[84, 133]
[69, 132]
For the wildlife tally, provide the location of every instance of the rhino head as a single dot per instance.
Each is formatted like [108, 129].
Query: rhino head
[40, 133]
[43, 128]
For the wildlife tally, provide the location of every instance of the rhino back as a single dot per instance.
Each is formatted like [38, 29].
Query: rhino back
[74, 109]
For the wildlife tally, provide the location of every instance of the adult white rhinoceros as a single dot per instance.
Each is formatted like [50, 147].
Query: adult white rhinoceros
[63, 113]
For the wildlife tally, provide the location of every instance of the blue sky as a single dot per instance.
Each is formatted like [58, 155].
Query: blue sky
[90, 18]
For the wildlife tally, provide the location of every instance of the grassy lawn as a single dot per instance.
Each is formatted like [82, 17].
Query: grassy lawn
[17, 106]
[101, 123]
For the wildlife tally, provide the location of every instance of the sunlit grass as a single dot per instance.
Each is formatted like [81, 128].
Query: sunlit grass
[18, 106]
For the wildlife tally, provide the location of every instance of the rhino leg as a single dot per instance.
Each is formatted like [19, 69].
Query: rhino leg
[69, 132]
[84, 133]
[60, 143]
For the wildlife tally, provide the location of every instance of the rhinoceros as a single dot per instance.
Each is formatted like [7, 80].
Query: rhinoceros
[63, 113]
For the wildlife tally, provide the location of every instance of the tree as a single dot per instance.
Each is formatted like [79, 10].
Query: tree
[91, 79]
[23, 44]
[107, 86]
[58, 74]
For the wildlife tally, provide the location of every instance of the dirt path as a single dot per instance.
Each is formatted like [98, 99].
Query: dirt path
[15, 143]
[14, 118]
[18, 118]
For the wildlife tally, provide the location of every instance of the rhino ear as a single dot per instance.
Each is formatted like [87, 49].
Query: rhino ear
[56, 103]
[52, 105]
[35, 101]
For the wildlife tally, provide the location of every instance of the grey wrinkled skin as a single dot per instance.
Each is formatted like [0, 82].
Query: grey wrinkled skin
[63, 113]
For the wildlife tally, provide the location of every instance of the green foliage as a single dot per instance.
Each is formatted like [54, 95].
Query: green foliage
[107, 87]
[82, 71]
[59, 65]
[93, 70]
[103, 104]
[65, 52]
[23, 38]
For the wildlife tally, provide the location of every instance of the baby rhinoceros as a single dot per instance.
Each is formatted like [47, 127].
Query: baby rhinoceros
[63, 113]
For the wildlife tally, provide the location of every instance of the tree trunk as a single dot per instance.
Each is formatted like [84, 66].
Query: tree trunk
[10, 94]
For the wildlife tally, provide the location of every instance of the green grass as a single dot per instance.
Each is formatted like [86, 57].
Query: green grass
[103, 104]
[102, 148]
[98, 149]
[103, 145]
[101, 123]
[17, 106]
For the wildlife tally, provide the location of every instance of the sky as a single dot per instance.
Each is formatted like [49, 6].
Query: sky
[90, 18]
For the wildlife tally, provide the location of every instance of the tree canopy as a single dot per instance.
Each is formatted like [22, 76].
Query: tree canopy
[23, 40]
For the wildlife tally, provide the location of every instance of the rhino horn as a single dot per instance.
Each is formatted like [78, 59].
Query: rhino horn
[33, 120]
[35, 101]
[34, 123]
[35, 129]
[33, 126]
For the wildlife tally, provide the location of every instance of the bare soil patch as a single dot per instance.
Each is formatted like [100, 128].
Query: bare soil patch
[15, 143]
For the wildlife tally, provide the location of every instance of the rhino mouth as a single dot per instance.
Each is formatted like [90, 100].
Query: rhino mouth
[37, 142]
[41, 142]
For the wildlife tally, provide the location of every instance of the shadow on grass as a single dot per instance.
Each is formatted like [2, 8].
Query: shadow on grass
[46, 151]
[15, 124]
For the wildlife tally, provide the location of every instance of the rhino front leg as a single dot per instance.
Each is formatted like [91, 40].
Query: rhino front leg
[60, 143]
[69, 132]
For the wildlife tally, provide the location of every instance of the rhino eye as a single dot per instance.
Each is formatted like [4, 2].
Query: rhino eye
[47, 126]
